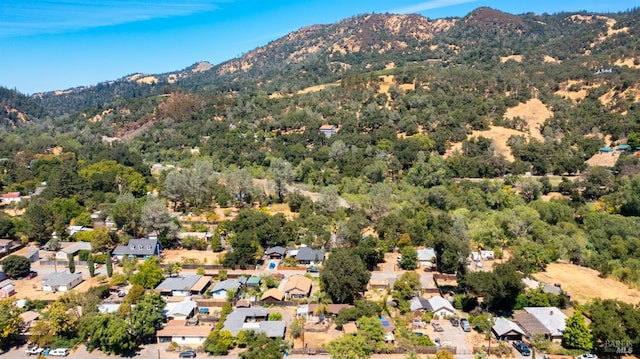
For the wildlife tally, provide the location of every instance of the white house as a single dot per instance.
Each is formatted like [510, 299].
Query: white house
[177, 331]
[426, 257]
[11, 197]
[61, 282]
[440, 306]
[180, 310]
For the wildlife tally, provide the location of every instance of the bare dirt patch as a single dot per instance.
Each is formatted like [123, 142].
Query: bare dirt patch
[499, 136]
[551, 60]
[516, 58]
[603, 159]
[534, 112]
[195, 256]
[584, 284]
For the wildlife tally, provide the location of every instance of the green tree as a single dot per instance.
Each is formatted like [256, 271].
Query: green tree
[72, 263]
[260, 346]
[126, 213]
[10, 322]
[157, 219]
[344, 277]
[577, 334]
[350, 346]
[282, 172]
[38, 221]
[405, 288]
[409, 260]
[109, 265]
[16, 266]
[149, 274]
[91, 265]
[146, 318]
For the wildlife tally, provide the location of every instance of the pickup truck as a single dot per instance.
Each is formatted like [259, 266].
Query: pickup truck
[34, 351]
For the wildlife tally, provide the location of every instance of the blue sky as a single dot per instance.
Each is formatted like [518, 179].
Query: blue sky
[59, 44]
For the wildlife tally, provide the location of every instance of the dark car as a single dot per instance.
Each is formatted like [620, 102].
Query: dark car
[522, 348]
[454, 321]
[32, 274]
[313, 270]
[188, 354]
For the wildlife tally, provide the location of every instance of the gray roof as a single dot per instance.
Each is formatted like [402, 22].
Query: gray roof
[142, 247]
[550, 317]
[308, 254]
[76, 247]
[226, 285]
[437, 302]
[426, 254]
[418, 304]
[503, 326]
[62, 278]
[237, 321]
[186, 307]
[276, 250]
[179, 283]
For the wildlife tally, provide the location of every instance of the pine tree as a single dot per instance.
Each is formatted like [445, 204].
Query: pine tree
[109, 265]
[91, 265]
[577, 334]
[72, 263]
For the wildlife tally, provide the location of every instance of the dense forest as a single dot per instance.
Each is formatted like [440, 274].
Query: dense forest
[400, 99]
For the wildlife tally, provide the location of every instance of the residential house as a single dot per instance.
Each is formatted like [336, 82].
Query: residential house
[254, 319]
[275, 252]
[546, 321]
[505, 329]
[328, 130]
[180, 310]
[331, 310]
[309, 256]
[5, 245]
[297, 287]
[7, 289]
[379, 283]
[272, 295]
[436, 304]
[11, 197]
[72, 248]
[177, 331]
[61, 282]
[75, 229]
[33, 254]
[426, 257]
[140, 248]
[183, 286]
[221, 289]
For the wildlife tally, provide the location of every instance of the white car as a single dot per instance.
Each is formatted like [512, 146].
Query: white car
[34, 351]
[587, 356]
[60, 352]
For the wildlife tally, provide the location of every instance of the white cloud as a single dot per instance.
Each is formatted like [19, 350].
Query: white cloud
[52, 16]
[430, 5]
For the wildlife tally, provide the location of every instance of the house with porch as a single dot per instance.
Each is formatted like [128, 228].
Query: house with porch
[297, 287]
[180, 310]
[426, 258]
[275, 252]
[183, 286]
[548, 322]
[142, 248]
[221, 289]
[505, 329]
[177, 331]
[310, 257]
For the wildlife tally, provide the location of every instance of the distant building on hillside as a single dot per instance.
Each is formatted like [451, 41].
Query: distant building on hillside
[328, 130]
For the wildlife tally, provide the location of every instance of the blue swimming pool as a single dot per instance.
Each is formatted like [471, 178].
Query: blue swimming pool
[272, 265]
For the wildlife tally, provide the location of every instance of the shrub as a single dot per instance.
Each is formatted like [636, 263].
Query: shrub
[83, 255]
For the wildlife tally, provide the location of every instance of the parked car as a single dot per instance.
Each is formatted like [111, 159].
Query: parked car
[188, 354]
[32, 274]
[313, 270]
[418, 334]
[59, 352]
[464, 324]
[454, 321]
[522, 348]
[587, 356]
[34, 351]
[419, 323]
[437, 327]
